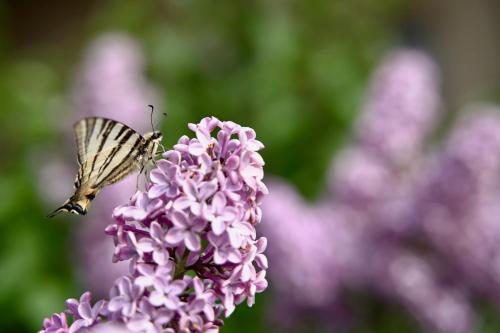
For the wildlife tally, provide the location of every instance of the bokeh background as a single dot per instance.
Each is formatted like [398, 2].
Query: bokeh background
[304, 75]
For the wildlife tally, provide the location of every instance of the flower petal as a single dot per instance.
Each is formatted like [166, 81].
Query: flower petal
[157, 298]
[182, 203]
[116, 303]
[161, 257]
[145, 245]
[218, 226]
[174, 236]
[157, 191]
[180, 219]
[207, 189]
[196, 148]
[192, 241]
[85, 310]
[158, 176]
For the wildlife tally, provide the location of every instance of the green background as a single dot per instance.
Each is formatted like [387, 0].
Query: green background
[295, 71]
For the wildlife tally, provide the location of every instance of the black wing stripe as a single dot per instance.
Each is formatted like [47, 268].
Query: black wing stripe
[117, 169]
[106, 128]
[110, 157]
[89, 129]
[124, 172]
[122, 165]
[116, 149]
[104, 125]
[126, 137]
[120, 133]
[109, 127]
[101, 123]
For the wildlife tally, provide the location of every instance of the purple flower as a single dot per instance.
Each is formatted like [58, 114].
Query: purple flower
[124, 296]
[203, 143]
[141, 208]
[456, 205]
[204, 300]
[257, 285]
[220, 214]
[89, 316]
[83, 313]
[151, 277]
[57, 323]
[163, 179]
[108, 328]
[168, 295]
[149, 319]
[185, 230]
[224, 251]
[401, 106]
[413, 281]
[369, 231]
[195, 195]
[155, 245]
[191, 237]
[73, 304]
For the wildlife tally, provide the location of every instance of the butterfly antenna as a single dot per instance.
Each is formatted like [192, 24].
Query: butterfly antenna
[152, 110]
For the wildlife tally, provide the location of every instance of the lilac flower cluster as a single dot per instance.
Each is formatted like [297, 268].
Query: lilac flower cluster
[190, 238]
[413, 228]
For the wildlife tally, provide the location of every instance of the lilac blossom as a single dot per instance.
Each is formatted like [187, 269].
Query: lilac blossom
[57, 323]
[107, 327]
[185, 277]
[384, 198]
[401, 106]
[457, 204]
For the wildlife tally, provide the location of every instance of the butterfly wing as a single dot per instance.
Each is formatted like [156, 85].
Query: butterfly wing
[107, 151]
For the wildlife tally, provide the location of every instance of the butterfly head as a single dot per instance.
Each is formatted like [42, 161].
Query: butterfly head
[156, 136]
[70, 207]
[153, 141]
[77, 204]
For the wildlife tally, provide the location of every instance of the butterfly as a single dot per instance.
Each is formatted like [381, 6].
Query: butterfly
[107, 152]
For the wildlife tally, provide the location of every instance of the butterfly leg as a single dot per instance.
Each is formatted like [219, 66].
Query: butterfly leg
[152, 159]
[137, 180]
[163, 150]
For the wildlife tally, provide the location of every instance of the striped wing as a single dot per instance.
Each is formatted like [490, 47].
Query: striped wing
[107, 150]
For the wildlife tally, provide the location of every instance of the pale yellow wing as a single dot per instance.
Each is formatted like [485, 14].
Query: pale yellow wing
[107, 150]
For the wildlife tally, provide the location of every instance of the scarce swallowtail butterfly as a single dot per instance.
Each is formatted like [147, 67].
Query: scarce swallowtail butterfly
[107, 152]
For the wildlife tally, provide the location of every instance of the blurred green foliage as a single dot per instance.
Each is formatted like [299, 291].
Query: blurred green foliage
[294, 70]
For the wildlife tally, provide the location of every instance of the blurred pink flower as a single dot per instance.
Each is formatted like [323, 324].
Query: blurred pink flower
[362, 235]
